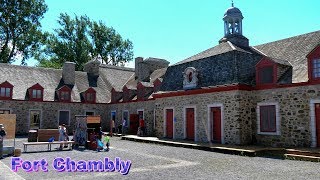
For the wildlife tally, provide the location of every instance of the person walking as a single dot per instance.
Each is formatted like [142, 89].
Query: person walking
[142, 127]
[2, 135]
[124, 126]
[112, 127]
[107, 141]
[62, 134]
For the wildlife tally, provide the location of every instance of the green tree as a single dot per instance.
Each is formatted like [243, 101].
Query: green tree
[80, 40]
[69, 43]
[108, 45]
[20, 29]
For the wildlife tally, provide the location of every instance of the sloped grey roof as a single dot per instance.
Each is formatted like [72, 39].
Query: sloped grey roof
[216, 50]
[294, 50]
[157, 74]
[116, 77]
[23, 77]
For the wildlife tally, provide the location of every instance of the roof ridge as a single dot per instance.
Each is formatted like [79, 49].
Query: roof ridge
[30, 67]
[116, 67]
[288, 38]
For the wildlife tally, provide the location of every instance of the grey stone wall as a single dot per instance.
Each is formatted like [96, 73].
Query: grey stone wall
[132, 107]
[237, 125]
[295, 117]
[50, 111]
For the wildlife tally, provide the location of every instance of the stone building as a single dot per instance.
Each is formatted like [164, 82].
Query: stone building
[232, 93]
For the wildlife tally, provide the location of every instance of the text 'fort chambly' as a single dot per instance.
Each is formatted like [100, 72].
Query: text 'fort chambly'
[68, 165]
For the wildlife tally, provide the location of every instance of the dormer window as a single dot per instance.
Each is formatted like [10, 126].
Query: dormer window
[265, 75]
[89, 96]
[266, 72]
[36, 92]
[6, 90]
[314, 64]
[64, 94]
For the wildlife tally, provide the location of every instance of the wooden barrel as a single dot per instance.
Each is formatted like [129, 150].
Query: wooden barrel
[17, 152]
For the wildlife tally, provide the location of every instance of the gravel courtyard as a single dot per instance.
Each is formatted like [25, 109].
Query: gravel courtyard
[153, 161]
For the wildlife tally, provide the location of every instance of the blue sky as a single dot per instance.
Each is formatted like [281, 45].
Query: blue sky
[177, 29]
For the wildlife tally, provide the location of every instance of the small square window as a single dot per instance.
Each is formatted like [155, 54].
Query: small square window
[266, 75]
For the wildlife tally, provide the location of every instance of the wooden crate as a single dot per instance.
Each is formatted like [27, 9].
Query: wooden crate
[9, 123]
[45, 134]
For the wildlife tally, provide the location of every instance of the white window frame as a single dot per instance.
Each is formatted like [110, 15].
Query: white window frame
[278, 123]
[219, 105]
[59, 116]
[313, 122]
[115, 112]
[165, 122]
[185, 121]
[143, 113]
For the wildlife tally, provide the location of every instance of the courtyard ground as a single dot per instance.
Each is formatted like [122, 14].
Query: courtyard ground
[156, 161]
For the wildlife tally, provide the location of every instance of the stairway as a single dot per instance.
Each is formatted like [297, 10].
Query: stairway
[302, 155]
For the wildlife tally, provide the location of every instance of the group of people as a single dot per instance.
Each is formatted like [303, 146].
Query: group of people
[123, 128]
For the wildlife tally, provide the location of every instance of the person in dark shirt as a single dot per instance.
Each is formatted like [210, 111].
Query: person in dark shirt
[2, 135]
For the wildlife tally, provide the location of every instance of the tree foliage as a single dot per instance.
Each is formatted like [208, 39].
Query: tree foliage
[79, 40]
[20, 29]
[69, 43]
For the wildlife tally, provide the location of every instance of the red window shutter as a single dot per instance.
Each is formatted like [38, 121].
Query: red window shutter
[268, 118]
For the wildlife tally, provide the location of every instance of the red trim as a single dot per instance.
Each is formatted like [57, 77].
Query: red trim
[156, 85]
[140, 91]
[6, 84]
[92, 91]
[64, 89]
[202, 91]
[314, 54]
[263, 63]
[35, 87]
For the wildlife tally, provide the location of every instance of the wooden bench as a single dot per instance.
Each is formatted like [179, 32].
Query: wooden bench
[26, 144]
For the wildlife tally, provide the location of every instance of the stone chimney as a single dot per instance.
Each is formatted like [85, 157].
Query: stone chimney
[68, 73]
[137, 65]
[92, 67]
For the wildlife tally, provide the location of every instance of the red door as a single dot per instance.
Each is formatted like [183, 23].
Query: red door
[190, 123]
[134, 123]
[318, 123]
[216, 124]
[169, 122]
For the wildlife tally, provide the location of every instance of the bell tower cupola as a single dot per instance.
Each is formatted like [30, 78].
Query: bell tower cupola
[233, 27]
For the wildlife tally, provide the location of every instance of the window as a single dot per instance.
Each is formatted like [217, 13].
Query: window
[90, 97]
[268, 118]
[35, 119]
[64, 96]
[266, 75]
[36, 94]
[64, 117]
[5, 92]
[4, 111]
[316, 68]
